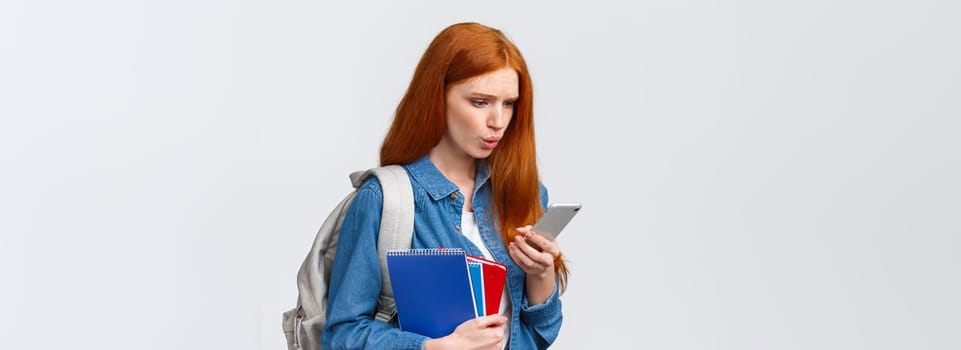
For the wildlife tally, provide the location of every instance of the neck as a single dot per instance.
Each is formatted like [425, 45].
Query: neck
[456, 167]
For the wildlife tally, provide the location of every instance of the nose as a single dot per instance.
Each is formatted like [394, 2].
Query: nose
[498, 118]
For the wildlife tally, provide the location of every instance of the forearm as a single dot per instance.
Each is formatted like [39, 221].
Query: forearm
[540, 287]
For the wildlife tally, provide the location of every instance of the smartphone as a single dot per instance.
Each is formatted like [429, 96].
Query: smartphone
[555, 218]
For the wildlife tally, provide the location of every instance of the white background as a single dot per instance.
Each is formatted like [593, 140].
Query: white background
[754, 174]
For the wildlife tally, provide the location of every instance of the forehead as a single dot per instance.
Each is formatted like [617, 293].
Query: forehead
[503, 82]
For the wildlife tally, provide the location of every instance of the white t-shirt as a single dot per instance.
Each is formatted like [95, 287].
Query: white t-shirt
[469, 228]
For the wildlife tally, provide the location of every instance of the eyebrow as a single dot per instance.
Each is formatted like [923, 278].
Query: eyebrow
[490, 96]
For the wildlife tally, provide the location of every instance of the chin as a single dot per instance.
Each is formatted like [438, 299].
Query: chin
[482, 154]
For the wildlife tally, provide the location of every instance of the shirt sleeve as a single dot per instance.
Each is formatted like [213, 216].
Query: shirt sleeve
[544, 197]
[543, 320]
[355, 283]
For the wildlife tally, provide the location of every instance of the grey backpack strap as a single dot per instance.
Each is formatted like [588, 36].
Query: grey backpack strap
[396, 226]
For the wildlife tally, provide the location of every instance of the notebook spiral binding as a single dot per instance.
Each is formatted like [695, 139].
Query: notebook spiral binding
[430, 251]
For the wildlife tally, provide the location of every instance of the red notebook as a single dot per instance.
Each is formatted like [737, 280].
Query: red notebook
[495, 275]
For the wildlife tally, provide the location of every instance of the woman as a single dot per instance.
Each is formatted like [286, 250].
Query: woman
[464, 132]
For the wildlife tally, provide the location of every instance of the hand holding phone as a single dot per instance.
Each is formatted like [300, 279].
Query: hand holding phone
[555, 219]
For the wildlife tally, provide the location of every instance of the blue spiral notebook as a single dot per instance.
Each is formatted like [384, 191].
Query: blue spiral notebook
[432, 289]
[476, 271]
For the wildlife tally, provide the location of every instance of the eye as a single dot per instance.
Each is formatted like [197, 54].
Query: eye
[510, 104]
[478, 102]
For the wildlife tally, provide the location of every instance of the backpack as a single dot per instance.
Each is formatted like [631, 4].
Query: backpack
[304, 323]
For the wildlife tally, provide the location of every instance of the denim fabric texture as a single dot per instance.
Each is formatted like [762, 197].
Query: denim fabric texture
[355, 280]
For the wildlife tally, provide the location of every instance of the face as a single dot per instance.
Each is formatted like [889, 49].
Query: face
[478, 111]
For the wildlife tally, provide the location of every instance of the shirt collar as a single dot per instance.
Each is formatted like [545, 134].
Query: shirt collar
[437, 185]
[483, 174]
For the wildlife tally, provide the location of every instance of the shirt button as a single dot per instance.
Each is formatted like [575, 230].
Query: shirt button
[457, 228]
[453, 196]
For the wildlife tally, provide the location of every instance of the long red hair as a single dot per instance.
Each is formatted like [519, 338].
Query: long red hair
[460, 52]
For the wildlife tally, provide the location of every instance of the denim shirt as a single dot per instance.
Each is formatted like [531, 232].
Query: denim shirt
[355, 280]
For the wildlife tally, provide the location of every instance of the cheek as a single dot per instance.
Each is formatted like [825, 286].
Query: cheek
[464, 118]
[454, 117]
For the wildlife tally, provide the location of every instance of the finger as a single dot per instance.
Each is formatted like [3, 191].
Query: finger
[543, 243]
[540, 258]
[491, 321]
[519, 257]
[496, 335]
[532, 258]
